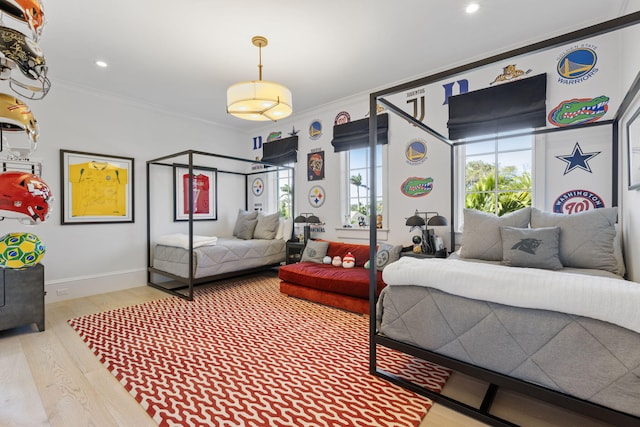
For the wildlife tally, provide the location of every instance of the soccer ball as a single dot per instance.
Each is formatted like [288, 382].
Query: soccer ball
[20, 250]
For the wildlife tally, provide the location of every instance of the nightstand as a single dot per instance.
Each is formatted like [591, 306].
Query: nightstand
[293, 252]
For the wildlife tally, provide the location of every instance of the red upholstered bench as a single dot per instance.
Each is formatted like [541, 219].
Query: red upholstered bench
[345, 288]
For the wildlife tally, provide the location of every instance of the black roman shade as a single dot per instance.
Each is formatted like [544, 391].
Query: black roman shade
[510, 106]
[352, 135]
[281, 151]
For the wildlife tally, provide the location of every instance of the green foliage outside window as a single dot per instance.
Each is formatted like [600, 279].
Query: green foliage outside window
[511, 192]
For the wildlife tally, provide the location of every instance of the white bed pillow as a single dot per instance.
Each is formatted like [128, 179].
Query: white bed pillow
[481, 233]
[386, 254]
[247, 228]
[242, 217]
[267, 226]
[287, 230]
[586, 238]
[531, 247]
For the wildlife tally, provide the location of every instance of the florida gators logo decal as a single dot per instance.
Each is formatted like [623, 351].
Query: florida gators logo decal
[416, 187]
[579, 110]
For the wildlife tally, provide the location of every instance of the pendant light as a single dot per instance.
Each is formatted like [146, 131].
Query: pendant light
[259, 100]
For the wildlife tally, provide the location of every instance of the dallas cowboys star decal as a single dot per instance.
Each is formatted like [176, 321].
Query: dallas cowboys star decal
[578, 159]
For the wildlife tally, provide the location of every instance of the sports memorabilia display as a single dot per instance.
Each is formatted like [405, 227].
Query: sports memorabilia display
[20, 250]
[25, 197]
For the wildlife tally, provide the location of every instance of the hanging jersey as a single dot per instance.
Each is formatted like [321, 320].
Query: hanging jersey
[98, 189]
[200, 194]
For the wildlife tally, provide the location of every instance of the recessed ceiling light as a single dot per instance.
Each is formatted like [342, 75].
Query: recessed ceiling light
[472, 8]
[102, 64]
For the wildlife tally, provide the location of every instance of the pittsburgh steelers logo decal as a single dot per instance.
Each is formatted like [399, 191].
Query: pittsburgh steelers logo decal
[316, 196]
[257, 187]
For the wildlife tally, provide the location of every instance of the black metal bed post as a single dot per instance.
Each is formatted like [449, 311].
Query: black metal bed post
[148, 223]
[190, 204]
[373, 140]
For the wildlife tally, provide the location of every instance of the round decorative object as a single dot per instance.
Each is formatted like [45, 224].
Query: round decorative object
[20, 250]
[367, 264]
[326, 260]
[257, 187]
[416, 240]
[349, 261]
[336, 261]
[316, 196]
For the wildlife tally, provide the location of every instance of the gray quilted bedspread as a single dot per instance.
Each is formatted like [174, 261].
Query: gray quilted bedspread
[228, 255]
[579, 356]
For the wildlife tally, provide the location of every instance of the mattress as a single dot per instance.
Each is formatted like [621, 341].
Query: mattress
[587, 358]
[228, 255]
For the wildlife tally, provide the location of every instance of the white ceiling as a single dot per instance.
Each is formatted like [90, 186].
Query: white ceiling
[182, 55]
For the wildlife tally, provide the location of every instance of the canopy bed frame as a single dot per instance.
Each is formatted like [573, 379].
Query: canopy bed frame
[495, 379]
[182, 284]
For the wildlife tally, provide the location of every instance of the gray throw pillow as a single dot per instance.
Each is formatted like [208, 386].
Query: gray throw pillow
[531, 247]
[267, 226]
[246, 229]
[586, 238]
[242, 217]
[386, 254]
[481, 233]
[314, 251]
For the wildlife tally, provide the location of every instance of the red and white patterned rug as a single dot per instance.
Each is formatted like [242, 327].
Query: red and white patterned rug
[243, 354]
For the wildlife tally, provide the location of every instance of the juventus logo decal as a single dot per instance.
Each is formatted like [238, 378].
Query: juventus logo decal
[414, 101]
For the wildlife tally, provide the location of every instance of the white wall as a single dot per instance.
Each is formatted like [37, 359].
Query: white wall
[88, 259]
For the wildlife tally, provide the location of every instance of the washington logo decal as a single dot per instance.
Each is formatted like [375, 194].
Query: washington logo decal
[341, 118]
[577, 64]
[416, 151]
[416, 187]
[576, 201]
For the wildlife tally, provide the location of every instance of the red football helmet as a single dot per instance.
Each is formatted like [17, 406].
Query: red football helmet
[25, 197]
[29, 11]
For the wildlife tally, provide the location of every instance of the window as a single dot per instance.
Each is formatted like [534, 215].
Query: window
[497, 174]
[285, 191]
[357, 181]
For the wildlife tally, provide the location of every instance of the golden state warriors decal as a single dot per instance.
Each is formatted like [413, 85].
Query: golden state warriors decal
[341, 118]
[509, 73]
[416, 151]
[578, 111]
[576, 201]
[578, 159]
[257, 187]
[416, 187]
[316, 196]
[315, 129]
[577, 64]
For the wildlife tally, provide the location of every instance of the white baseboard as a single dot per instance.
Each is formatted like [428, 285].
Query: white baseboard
[77, 287]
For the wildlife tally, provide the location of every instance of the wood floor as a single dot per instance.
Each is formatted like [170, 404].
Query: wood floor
[51, 378]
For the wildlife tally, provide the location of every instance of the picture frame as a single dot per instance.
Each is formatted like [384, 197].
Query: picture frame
[205, 180]
[315, 166]
[633, 151]
[96, 188]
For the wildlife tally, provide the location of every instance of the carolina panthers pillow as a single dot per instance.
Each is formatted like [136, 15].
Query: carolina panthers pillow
[531, 247]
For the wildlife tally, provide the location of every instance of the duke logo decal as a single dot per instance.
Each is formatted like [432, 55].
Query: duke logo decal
[463, 87]
[577, 64]
[416, 187]
[416, 151]
[257, 142]
[576, 201]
